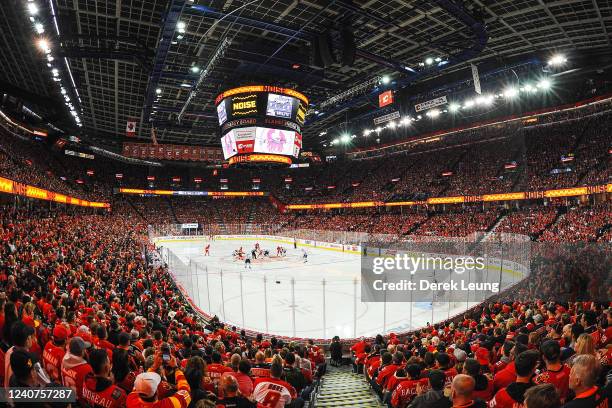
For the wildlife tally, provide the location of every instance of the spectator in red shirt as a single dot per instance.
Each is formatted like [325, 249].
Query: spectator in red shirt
[406, 390]
[513, 395]
[506, 376]
[555, 373]
[241, 369]
[54, 352]
[98, 388]
[74, 366]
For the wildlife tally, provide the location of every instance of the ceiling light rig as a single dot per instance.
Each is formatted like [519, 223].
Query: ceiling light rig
[485, 100]
[45, 45]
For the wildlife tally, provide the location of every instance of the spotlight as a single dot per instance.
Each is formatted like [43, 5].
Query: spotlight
[453, 107]
[406, 121]
[557, 59]
[429, 61]
[195, 69]
[391, 125]
[40, 29]
[335, 141]
[511, 92]
[367, 132]
[544, 84]
[468, 104]
[345, 138]
[43, 45]
[529, 88]
[434, 113]
[180, 26]
[32, 9]
[55, 72]
[385, 79]
[378, 129]
[438, 59]
[158, 91]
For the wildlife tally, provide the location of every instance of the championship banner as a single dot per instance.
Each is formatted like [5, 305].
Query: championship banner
[172, 152]
[432, 103]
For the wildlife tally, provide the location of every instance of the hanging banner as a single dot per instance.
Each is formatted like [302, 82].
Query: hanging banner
[476, 79]
[430, 104]
[386, 118]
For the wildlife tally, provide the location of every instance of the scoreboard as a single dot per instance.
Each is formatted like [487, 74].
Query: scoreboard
[261, 119]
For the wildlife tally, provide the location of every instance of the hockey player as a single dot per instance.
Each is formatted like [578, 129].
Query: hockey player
[305, 255]
[207, 250]
[247, 262]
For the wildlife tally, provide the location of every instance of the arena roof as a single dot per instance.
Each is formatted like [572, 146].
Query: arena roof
[120, 52]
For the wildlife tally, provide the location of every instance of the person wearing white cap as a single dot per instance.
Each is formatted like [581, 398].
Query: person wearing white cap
[144, 394]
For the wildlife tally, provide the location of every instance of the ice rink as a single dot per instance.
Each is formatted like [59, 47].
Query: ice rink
[286, 296]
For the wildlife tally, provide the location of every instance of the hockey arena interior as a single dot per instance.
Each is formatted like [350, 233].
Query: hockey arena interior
[306, 203]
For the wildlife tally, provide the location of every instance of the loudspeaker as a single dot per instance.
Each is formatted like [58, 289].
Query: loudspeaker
[348, 46]
[325, 49]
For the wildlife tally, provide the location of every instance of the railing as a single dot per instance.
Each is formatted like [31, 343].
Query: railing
[296, 300]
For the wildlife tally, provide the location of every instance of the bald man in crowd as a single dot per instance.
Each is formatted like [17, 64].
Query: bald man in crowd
[462, 390]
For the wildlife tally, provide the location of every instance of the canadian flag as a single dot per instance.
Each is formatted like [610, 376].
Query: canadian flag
[130, 129]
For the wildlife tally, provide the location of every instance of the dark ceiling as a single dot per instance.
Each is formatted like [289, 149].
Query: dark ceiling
[118, 54]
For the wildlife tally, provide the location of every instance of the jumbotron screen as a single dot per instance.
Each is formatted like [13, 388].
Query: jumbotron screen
[251, 105]
[261, 119]
[261, 140]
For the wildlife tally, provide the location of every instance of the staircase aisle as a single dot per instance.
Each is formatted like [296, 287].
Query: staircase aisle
[340, 387]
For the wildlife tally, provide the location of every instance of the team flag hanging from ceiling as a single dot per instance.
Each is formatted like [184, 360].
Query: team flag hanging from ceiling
[130, 129]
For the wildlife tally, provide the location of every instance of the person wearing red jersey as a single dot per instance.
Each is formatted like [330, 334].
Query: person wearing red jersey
[145, 394]
[273, 392]
[98, 388]
[240, 371]
[503, 361]
[216, 369]
[207, 250]
[231, 396]
[506, 376]
[406, 390]
[432, 395]
[513, 396]
[443, 363]
[54, 352]
[555, 373]
[583, 380]
[74, 366]
[388, 371]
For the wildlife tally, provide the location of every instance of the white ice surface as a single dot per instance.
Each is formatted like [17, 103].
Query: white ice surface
[269, 306]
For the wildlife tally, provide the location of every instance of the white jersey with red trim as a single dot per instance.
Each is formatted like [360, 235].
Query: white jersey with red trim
[272, 392]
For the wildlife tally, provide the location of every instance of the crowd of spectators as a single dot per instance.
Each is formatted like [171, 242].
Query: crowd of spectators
[501, 354]
[81, 307]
